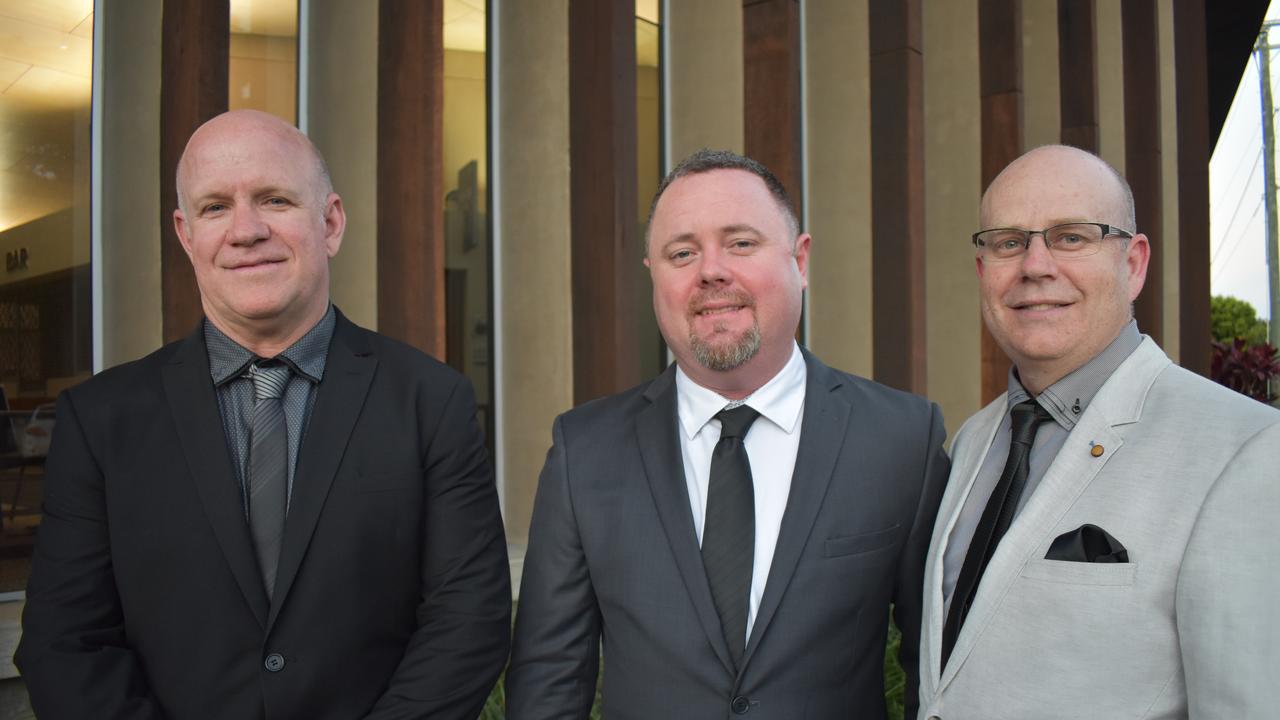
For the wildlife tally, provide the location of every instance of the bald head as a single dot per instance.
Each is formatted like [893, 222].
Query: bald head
[230, 132]
[1070, 175]
[1051, 311]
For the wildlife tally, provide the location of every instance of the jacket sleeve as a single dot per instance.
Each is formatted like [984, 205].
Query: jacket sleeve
[460, 645]
[908, 599]
[556, 654]
[74, 654]
[1228, 626]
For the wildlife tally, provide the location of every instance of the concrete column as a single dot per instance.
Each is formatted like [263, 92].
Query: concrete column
[531, 241]
[1110, 84]
[1171, 338]
[953, 187]
[343, 122]
[1041, 92]
[130, 201]
[838, 184]
[704, 81]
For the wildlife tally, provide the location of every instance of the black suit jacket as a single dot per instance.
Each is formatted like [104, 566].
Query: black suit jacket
[392, 598]
[613, 555]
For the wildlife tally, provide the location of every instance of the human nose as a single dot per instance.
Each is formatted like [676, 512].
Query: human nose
[712, 269]
[247, 226]
[1038, 260]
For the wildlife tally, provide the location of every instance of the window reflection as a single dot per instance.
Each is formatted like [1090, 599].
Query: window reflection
[468, 334]
[45, 325]
[653, 352]
[262, 68]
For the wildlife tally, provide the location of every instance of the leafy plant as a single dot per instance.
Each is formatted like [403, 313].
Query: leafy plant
[895, 680]
[1246, 369]
[1231, 318]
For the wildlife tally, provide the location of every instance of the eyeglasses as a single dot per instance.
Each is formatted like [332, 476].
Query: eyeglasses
[1070, 240]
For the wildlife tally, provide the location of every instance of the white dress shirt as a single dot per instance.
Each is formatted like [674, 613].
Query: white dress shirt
[771, 445]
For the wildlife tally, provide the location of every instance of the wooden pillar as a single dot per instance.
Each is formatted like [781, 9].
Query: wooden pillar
[1142, 167]
[897, 193]
[1191, 83]
[1078, 74]
[193, 88]
[1000, 62]
[602, 180]
[410, 191]
[771, 89]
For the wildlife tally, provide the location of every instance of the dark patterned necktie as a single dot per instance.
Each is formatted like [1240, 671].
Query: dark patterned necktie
[996, 518]
[729, 529]
[268, 468]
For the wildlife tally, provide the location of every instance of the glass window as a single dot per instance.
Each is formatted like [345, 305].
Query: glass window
[653, 352]
[45, 301]
[467, 305]
[262, 70]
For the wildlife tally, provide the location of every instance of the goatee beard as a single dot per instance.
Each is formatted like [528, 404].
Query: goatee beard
[726, 357]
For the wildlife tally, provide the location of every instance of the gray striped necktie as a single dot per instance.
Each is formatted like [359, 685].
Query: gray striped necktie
[729, 528]
[268, 467]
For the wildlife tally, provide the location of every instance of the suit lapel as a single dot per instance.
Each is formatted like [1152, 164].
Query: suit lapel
[977, 435]
[822, 433]
[1069, 474]
[198, 421]
[340, 396]
[1118, 403]
[657, 430]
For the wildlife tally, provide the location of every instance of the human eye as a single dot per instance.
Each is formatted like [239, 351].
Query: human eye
[277, 201]
[681, 256]
[1004, 243]
[212, 208]
[1071, 239]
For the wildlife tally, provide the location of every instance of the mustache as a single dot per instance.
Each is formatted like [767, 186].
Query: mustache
[731, 296]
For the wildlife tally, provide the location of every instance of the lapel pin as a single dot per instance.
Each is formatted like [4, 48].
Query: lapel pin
[1095, 449]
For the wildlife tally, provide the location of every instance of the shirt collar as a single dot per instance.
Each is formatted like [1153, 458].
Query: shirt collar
[779, 400]
[306, 357]
[1067, 399]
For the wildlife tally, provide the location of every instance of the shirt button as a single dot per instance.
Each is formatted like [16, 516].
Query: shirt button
[740, 705]
[274, 662]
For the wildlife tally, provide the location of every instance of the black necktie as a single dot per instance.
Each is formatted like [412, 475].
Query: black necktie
[729, 529]
[268, 468]
[996, 518]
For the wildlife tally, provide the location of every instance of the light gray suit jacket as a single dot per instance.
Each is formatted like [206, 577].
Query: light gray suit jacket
[1189, 482]
[613, 556]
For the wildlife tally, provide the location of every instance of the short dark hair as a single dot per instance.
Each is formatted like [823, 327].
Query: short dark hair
[706, 160]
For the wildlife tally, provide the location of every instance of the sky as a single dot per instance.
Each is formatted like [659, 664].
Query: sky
[1237, 222]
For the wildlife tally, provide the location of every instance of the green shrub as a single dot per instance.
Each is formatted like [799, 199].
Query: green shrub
[1232, 318]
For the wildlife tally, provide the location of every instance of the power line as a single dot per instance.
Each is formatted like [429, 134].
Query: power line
[1235, 172]
[1239, 202]
[1238, 238]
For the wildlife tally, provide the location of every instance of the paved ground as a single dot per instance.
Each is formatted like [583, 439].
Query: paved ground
[13, 701]
[10, 630]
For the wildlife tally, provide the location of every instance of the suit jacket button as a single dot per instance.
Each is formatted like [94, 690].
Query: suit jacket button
[274, 662]
[740, 705]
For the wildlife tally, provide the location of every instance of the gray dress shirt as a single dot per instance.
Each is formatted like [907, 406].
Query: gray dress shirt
[1066, 400]
[229, 364]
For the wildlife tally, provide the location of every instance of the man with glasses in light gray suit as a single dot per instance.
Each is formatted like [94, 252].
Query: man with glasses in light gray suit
[1106, 545]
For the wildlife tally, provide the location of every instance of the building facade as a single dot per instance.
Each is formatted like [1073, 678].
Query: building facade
[496, 159]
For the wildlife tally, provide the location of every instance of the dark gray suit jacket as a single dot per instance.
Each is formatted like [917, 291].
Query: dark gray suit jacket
[613, 556]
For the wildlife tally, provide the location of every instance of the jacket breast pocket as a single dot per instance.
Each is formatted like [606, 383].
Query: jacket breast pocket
[859, 544]
[377, 482]
[1081, 573]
